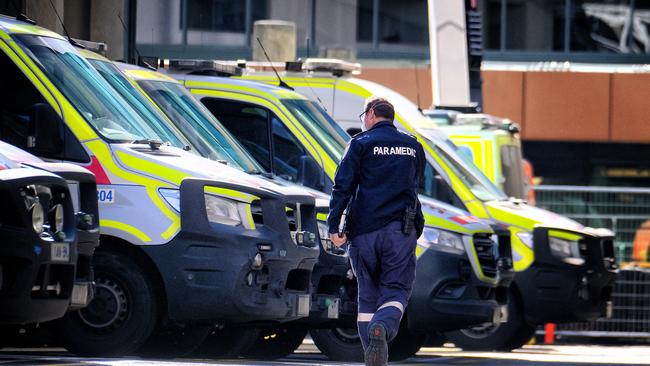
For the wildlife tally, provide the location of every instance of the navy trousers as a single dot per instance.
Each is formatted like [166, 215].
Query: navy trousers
[384, 263]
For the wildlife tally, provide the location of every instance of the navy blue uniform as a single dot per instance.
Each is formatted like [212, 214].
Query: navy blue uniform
[379, 173]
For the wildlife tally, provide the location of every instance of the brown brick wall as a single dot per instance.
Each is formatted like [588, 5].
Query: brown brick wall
[559, 106]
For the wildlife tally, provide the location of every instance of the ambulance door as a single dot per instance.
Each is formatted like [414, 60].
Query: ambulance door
[30, 122]
[268, 140]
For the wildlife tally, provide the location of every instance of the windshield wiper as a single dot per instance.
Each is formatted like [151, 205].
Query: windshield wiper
[264, 174]
[153, 144]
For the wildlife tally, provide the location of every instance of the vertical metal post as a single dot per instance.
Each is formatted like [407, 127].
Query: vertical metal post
[184, 21]
[312, 25]
[630, 33]
[131, 24]
[248, 20]
[504, 25]
[375, 23]
[567, 25]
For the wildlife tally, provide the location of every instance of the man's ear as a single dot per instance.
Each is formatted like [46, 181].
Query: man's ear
[371, 113]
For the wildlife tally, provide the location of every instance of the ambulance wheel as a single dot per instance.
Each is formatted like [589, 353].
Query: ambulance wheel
[503, 337]
[121, 316]
[276, 343]
[405, 345]
[227, 343]
[339, 344]
[174, 341]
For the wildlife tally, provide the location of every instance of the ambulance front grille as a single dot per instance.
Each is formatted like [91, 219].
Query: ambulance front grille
[486, 251]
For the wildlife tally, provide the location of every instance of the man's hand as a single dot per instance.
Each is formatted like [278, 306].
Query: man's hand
[338, 240]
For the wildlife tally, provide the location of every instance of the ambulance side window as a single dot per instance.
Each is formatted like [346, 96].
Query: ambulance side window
[262, 133]
[249, 125]
[287, 151]
[433, 185]
[18, 97]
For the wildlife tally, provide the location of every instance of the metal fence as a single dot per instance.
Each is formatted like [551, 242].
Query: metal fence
[622, 210]
[630, 310]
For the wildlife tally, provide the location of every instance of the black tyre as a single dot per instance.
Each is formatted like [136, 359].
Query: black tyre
[227, 343]
[276, 343]
[174, 341]
[339, 344]
[122, 315]
[503, 337]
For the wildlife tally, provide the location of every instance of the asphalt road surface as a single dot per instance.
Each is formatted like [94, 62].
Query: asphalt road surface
[307, 354]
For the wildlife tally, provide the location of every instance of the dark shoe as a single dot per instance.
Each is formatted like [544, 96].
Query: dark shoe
[377, 351]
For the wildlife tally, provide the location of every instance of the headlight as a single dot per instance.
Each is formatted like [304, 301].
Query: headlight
[172, 196]
[219, 210]
[438, 239]
[526, 237]
[58, 213]
[563, 248]
[222, 210]
[38, 218]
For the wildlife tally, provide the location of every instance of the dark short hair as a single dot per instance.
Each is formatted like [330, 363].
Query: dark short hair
[381, 107]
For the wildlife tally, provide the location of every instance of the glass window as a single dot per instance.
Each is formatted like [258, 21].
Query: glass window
[608, 26]
[491, 10]
[252, 125]
[86, 90]
[403, 22]
[535, 25]
[191, 118]
[17, 99]
[513, 172]
[287, 151]
[364, 20]
[222, 15]
[139, 102]
[249, 125]
[329, 135]
[400, 21]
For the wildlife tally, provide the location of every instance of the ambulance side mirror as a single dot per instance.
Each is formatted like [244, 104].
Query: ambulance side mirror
[46, 130]
[310, 174]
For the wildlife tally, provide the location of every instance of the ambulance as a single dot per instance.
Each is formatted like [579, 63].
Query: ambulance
[565, 272]
[48, 239]
[463, 268]
[492, 144]
[187, 243]
[170, 103]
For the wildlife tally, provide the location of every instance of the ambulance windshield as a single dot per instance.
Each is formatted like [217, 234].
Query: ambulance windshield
[190, 116]
[320, 126]
[139, 102]
[86, 90]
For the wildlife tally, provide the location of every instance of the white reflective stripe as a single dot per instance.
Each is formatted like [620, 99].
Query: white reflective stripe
[396, 304]
[365, 317]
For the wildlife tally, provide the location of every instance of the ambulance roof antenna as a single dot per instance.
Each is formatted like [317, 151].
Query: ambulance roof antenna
[417, 87]
[65, 30]
[135, 47]
[20, 15]
[281, 84]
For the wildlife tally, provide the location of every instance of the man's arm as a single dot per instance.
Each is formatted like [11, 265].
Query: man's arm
[346, 181]
[422, 162]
